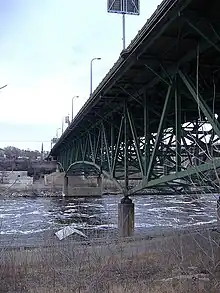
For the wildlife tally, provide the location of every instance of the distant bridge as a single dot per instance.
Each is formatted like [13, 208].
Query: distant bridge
[154, 118]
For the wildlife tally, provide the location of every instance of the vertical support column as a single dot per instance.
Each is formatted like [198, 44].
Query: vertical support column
[112, 145]
[67, 157]
[178, 125]
[146, 135]
[218, 212]
[101, 149]
[65, 165]
[125, 148]
[71, 152]
[65, 185]
[126, 207]
[197, 143]
[159, 133]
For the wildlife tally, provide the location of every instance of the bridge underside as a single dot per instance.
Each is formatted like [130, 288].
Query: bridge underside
[156, 122]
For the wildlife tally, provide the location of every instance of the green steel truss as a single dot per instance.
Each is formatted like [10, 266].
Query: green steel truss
[156, 147]
[156, 126]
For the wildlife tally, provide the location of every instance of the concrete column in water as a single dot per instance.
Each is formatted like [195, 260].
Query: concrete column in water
[65, 186]
[126, 217]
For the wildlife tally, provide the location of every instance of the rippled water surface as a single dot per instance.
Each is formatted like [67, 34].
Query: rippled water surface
[25, 216]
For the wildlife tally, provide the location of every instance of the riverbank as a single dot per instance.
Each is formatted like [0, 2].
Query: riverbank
[171, 261]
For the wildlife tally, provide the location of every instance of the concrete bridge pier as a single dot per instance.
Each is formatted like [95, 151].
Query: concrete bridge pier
[65, 185]
[126, 217]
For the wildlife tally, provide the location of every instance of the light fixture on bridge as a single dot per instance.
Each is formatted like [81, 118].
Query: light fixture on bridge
[93, 59]
[74, 97]
[53, 141]
[57, 132]
[67, 119]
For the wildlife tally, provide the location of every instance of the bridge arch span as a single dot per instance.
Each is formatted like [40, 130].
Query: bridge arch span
[98, 168]
[61, 166]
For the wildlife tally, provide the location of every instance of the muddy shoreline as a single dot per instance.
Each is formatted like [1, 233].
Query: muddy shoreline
[48, 238]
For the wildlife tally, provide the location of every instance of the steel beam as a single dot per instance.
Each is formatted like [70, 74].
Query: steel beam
[159, 132]
[112, 144]
[158, 75]
[106, 147]
[125, 148]
[91, 147]
[146, 134]
[201, 104]
[212, 164]
[136, 144]
[117, 148]
[202, 35]
[178, 125]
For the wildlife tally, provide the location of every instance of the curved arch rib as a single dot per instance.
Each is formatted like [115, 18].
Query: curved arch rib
[61, 166]
[99, 168]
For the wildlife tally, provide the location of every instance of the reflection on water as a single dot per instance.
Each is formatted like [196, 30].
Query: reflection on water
[30, 215]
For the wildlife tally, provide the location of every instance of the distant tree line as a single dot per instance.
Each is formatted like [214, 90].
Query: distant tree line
[11, 152]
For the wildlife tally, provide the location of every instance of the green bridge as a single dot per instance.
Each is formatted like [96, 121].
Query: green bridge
[154, 118]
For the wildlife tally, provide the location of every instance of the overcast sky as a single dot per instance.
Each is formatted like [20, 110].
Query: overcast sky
[45, 52]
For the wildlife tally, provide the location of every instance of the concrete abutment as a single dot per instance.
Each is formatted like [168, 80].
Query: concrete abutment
[76, 186]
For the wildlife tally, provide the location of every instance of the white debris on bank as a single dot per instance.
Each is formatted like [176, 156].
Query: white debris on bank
[67, 231]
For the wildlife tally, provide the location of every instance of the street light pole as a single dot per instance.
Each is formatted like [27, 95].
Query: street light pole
[97, 58]
[62, 125]
[72, 104]
[57, 132]
[123, 30]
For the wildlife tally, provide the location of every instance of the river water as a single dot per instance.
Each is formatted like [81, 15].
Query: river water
[27, 218]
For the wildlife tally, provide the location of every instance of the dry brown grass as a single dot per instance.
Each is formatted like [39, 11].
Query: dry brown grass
[181, 263]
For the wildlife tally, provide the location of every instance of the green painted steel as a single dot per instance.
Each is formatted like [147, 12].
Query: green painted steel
[152, 122]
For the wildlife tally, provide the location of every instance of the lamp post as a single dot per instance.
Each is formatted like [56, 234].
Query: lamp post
[65, 120]
[97, 58]
[57, 132]
[72, 104]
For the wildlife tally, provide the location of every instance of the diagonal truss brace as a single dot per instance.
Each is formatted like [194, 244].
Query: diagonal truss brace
[179, 175]
[159, 133]
[134, 134]
[201, 104]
